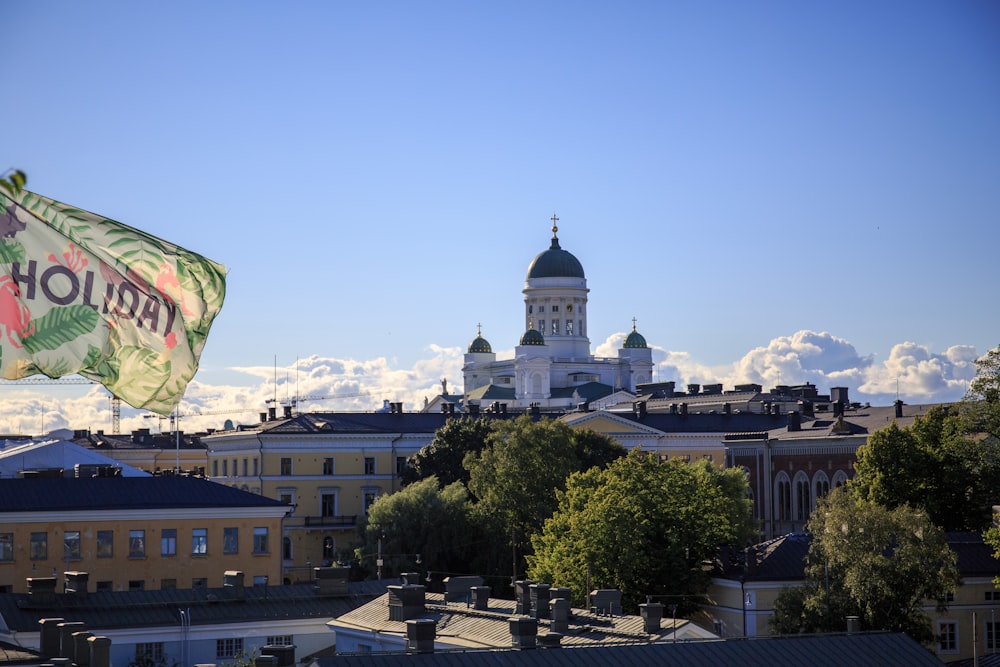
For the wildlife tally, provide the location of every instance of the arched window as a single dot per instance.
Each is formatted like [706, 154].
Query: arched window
[536, 383]
[328, 549]
[821, 485]
[803, 498]
[782, 497]
[839, 479]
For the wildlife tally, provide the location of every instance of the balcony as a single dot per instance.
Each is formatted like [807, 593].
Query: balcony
[339, 521]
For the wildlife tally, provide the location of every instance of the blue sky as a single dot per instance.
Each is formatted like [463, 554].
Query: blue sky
[777, 191]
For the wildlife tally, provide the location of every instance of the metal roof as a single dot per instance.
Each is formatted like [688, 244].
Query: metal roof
[869, 649]
[83, 494]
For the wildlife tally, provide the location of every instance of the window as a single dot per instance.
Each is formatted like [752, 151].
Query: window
[541, 309]
[39, 546]
[541, 326]
[148, 652]
[104, 586]
[569, 327]
[71, 545]
[225, 468]
[105, 544]
[992, 627]
[327, 549]
[260, 540]
[369, 465]
[992, 596]
[370, 497]
[803, 504]
[328, 504]
[168, 584]
[328, 465]
[136, 544]
[215, 468]
[555, 326]
[947, 636]
[199, 541]
[260, 580]
[286, 548]
[255, 466]
[555, 309]
[400, 465]
[228, 648]
[230, 540]
[137, 585]
[286, 466]
[244, 467]
[7, 546]
[783, 498]
[199, 582]
[168, 542]
[279, 640]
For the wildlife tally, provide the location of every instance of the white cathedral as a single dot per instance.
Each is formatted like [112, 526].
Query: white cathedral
[552, 366]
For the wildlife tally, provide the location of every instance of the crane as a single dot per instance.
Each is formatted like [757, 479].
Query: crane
[293, 402]
[37, 380]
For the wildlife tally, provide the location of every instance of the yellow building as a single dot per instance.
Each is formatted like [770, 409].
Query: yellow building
[135, 533]
[152, 452]
[327, 467]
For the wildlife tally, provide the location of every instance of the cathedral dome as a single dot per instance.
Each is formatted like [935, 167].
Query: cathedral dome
[532, 337]
[634, 341]
[480, 345]
[555, 262]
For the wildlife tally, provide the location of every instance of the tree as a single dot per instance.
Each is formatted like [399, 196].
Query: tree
[869, 561]
[935, 465]
[13, 181]
[442, 458]
[642, 526]
[595, 449]
[981, 406]
[421, 519]
[515, 477]
[992, 538]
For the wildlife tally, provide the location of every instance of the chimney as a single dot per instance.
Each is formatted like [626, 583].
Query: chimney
[536, 411]
[550, 639]
[66, 630]
[853, 625]
[522, 594]
[839, 395]
[838, 409]
[263, 417]
[559, 611]
[287, 411]
[652, 614]
[100, 651]
[806, 408]
[794, 422]
[684, 409]
[41, 591]
[460, 588]
[410, 577]
[693, 389]
[284, 653]
[606, 602]
[539, 600]
[480, 597]
[272, 413]
[673, 408]
[81, 648]
[639, 408]
[420, 633]
[48, 636]
[405, 602]
[898, 404]
[473, 409]
[76, 584]
[727, 409]
[523, 631]
[232, 584]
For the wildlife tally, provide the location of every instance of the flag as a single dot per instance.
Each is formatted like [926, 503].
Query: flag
[83, 294]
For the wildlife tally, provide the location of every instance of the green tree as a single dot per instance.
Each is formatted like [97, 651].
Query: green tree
[642, 526]
[421, 519]
[981, 406]
[992, 538]
[935, 465]
[515, 477]
[13, 181]
[443, 457]
[595, 449]
[872, 562]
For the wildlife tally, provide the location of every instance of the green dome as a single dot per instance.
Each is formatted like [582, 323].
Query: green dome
[480, 345]
[555, 263]
[634, 341]
[532, 337]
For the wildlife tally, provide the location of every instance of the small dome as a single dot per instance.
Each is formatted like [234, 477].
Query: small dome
[532, 337]
[480, 345]
[634, 341]
[555, 262]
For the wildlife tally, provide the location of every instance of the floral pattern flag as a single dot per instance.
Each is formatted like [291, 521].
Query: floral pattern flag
[83, 294]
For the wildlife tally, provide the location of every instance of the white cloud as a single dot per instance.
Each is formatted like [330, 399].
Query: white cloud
[327, 383]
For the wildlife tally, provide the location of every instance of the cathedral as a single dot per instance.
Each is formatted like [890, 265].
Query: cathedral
[552, 366]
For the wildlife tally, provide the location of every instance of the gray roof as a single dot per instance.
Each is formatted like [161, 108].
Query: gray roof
[83, 494]
[105, 610]
[869, 649]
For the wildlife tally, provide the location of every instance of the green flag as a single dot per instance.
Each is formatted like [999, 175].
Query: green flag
[83, 294]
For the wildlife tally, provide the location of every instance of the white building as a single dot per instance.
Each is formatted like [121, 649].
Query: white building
[552, 365]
